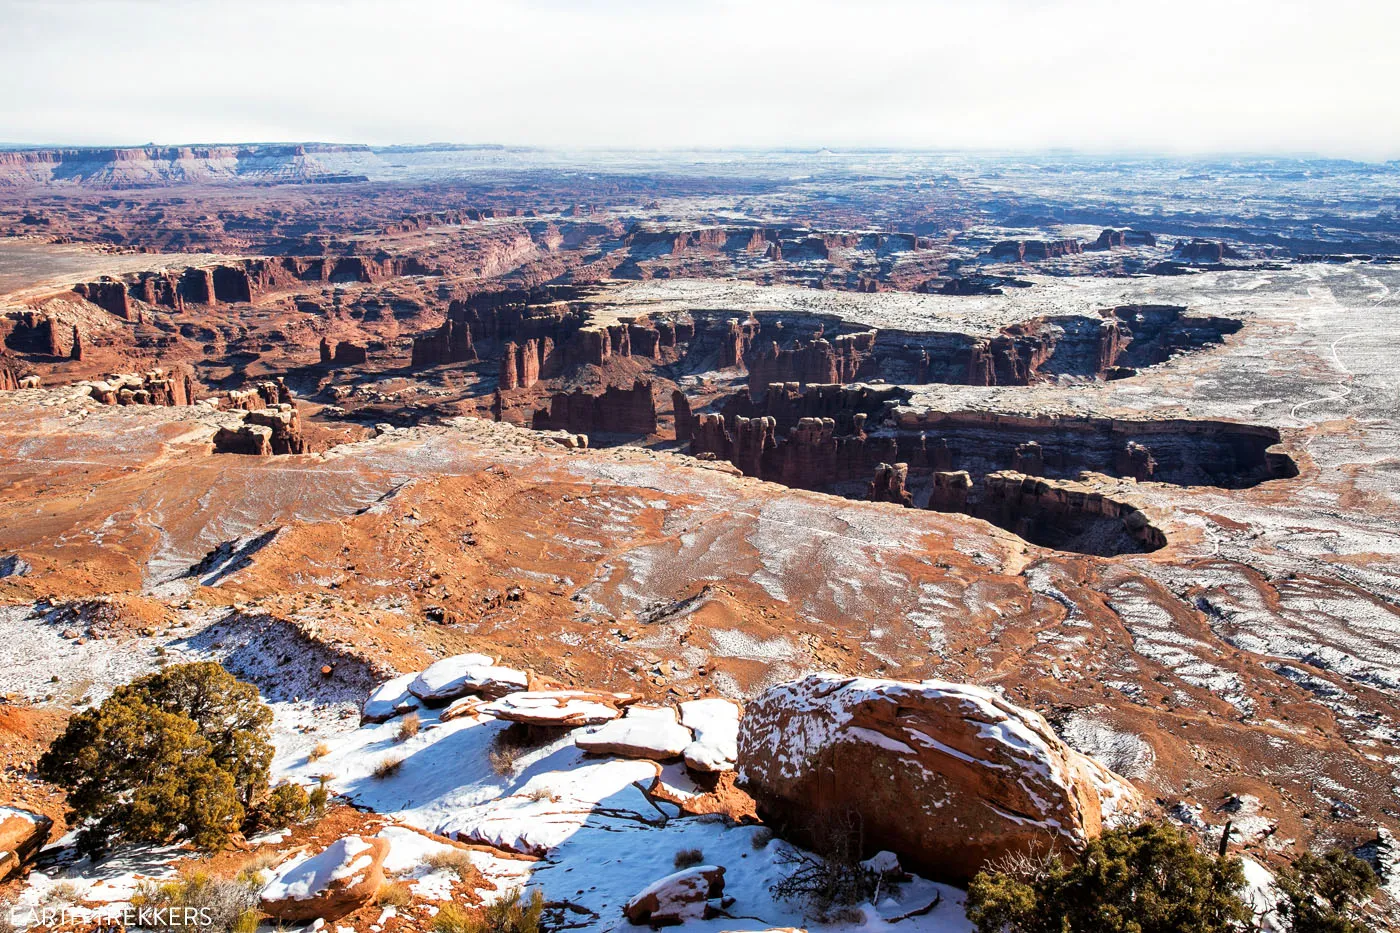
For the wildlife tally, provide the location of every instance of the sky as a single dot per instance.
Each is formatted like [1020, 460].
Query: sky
[1178, 77]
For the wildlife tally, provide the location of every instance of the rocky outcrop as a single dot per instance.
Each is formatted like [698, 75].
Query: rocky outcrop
[651, 732]
[1064, 514]
[680, 406]
[949, 491]
[154, 387]
[266, 394]
[820, 362]
[690, 894]
[264, 432]
[246, 439]
[450, 343]
[1116, 239]
[285, 425]
[343, 353]
[1033, 250]
[888, 484]
[22, 835]
[559, 707]
[463, 674]
[338, 880]
[1204, 251]
[109, 295]
[947, 776]
[614, 410]
[520, 365]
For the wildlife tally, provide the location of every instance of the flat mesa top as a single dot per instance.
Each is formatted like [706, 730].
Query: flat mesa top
[977, 315]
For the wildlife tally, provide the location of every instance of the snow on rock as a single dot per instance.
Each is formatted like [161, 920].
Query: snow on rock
[884, 862]
[677, 897]
[336, 881]
[390, 699]
[461, 674]
[948, 776]
[716, 725]
[643, 732]
[409, 850]
[597, 837]
[552, 805]
[558, 707]
[22, 835]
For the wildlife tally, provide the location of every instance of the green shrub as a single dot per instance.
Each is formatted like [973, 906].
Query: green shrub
[1322, 893]
[285, 804]
[179, 753]
[512, 913]
[1148, 879]
[453, 919]
[318, 799]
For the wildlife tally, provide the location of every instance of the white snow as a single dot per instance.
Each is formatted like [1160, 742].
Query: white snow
[450, 678]
[643, 732]
[716, 725]
[555, 707]
[390, 699]
[303, 879]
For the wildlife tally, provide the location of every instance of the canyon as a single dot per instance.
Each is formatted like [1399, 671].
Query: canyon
[686, 434]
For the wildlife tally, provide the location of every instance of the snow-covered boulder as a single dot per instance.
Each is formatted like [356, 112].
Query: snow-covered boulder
[716, 726]
[336, 881]
[462, 674]
[22, 835]
[679, 897]
[644, 732]
[551, 807]
[947, 776]
[390, 699]
[558, 707]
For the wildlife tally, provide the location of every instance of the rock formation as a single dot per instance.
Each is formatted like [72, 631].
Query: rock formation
[947, 776]
[1114, 239]
[22, 835]
[263, 432]
[888, 484]
[155, 387]
[336, 881]
[109, 295]
[1204, 251]
[342, 353]
[450, 343]
[615, 410]
[684, 895]
[1033, 250]
[680, 405]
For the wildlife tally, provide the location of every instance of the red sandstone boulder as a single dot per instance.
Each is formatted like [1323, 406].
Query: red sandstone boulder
[22, 835]
[948, 776]
[679, 897]
[336, 881]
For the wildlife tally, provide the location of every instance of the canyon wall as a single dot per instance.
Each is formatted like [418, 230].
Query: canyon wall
[615, 410]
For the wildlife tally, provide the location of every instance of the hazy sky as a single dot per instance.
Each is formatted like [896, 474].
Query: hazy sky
[1178, 75]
